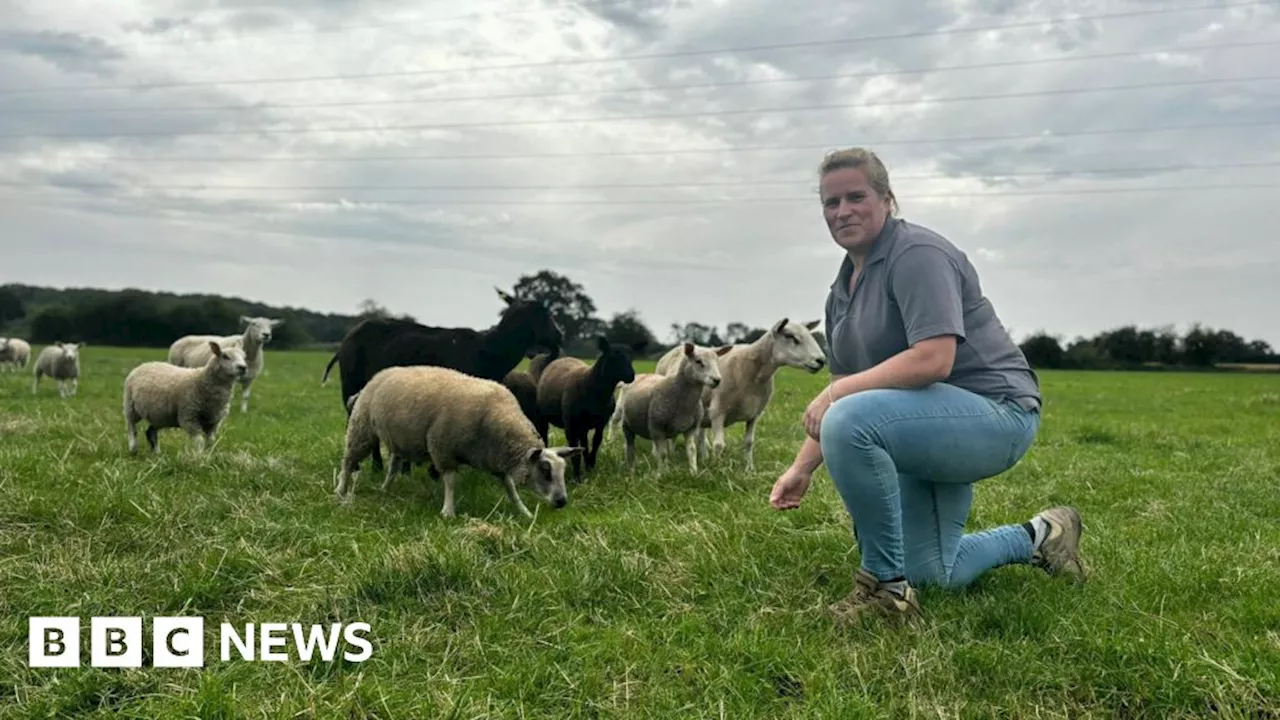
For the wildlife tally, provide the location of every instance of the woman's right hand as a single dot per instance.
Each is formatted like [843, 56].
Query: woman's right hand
[789, 489]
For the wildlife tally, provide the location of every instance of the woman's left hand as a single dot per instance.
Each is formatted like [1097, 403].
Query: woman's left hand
[814, 413]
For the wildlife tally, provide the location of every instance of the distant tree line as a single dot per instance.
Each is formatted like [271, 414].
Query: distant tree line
[1130, 347]
[139, 318]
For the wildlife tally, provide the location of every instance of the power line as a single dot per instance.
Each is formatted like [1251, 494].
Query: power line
[563, 62]
[654, 116]
[641, 88]
[716, 201]
[664, 184]
[1041, 135]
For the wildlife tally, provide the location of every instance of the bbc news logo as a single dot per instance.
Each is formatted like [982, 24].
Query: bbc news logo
[179, 642]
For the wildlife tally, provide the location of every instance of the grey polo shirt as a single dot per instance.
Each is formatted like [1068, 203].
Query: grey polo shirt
[917, 285]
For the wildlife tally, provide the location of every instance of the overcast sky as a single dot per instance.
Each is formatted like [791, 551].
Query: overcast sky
[124, 186]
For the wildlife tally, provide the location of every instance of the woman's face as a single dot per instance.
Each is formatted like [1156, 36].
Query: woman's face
[854, 212]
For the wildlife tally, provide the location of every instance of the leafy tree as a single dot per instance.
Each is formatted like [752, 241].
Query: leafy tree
[569, 304]
[11, 306]
[697, 333]
[626, 328]
[1043, 351]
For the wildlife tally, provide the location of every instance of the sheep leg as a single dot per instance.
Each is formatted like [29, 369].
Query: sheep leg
[660, 448]
[449, 478]
[131, 430]
[629, 437]
[510, 484]
[35, 384]
[595, 446]
[153, 438]
[691, 447]
[573, 433]
[717, 434]
[357, 450]
[246, 386]
[749, 443]
[75, 385]
[393, 468]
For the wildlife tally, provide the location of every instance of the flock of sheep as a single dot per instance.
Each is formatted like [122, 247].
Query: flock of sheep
[60, 361]
[451, 397]
[191, 390]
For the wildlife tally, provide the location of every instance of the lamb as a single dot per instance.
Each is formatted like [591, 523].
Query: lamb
[578, 397]
[747, 388]
[194, 399]
[14, 354]
[60, 361]
[525, 389]
[660, 407]
[449, 418]
[192, 351]
[524, 383]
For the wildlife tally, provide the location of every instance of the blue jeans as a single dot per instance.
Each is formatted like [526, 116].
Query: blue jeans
[904, 462]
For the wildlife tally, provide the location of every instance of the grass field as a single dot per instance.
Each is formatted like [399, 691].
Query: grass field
[653, 596]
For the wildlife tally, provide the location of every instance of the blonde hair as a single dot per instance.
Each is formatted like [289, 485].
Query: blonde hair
[869, 163]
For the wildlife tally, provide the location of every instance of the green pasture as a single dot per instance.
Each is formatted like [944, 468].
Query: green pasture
[655, 595]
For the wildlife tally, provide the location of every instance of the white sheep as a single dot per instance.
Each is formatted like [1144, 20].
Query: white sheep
[192, 351]
[60, 361]
[748, 370]
[14, 354]
[196, 400]
[661, 407]
[426, 413]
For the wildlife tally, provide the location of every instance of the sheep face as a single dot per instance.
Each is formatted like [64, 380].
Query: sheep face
[229, 362]
[615, 361]
[70, 351]
[260, 327]
[794, 345]
[545, 467]
[702, 365]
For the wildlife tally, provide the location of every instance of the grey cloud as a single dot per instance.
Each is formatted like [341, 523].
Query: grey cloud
[643, 19]
[67, 51]
[160, 25]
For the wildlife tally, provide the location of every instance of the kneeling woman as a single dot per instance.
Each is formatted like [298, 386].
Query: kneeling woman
[929, 395]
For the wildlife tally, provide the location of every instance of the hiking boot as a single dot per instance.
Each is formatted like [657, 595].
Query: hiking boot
[871, 597]
[1059, 552]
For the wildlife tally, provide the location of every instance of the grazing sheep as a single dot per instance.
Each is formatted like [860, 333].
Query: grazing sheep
[747, 387]
[660, 407]
[578, 397]
[194, 399]
[192, 351]
[428, 413]
[377, 343]
[60, 361]
[14, 354]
